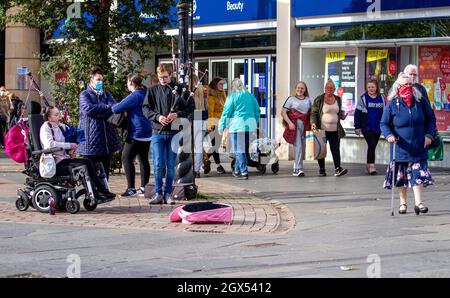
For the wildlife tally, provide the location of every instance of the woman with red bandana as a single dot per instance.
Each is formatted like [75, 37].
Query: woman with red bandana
[408, 121]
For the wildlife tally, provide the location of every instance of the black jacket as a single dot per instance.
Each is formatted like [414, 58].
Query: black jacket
[161, 100]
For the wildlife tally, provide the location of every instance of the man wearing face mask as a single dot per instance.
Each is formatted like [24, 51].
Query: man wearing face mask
[94, 108]
[5, 107]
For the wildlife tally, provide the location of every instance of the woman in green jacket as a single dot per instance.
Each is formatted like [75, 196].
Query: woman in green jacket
[326, 114]
[240, 116]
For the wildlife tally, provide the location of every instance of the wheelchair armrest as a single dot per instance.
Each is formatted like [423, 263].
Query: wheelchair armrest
[46, 151]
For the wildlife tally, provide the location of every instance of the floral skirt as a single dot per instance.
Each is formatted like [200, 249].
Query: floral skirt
[408, 174]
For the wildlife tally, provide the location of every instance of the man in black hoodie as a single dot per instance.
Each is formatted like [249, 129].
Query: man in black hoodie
[163, 105]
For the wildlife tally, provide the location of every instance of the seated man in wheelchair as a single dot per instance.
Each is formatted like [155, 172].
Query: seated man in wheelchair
[52, 136]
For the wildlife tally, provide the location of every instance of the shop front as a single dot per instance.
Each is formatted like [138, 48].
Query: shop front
[236, 39]
[345, 43]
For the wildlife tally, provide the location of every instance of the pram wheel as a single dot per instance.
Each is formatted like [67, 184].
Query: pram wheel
[262, 169]
[73, 206]
[275, 167]
[41, 198]
[22, 201]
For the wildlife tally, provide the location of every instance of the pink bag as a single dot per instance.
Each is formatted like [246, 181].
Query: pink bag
[15, 143]
[204, 212]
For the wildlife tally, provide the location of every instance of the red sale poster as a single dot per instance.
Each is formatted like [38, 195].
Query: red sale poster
[434, 75]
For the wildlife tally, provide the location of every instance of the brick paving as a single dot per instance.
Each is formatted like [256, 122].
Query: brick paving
[252, 214]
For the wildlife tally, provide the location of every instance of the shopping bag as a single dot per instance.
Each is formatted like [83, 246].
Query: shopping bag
[316, 145]
[47, 166]
[437, 153]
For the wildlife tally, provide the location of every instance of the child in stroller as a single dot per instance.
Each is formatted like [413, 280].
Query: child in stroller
[73, 176]
[261, 153]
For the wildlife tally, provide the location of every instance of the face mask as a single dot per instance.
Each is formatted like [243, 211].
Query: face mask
[99, 85]
[2, 93]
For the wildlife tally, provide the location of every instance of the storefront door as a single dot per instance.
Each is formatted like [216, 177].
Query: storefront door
[254, 73]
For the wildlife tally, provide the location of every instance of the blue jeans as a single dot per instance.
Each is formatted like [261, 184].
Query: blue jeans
[241, 141]
[163, 157]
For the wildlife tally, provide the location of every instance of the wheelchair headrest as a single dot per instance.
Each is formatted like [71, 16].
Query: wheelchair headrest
[35, 121]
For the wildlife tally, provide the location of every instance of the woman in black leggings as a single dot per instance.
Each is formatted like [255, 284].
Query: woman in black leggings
[139, 134]
[368, 114]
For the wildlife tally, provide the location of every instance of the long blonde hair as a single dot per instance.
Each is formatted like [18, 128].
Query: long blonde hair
[199, 96]
[294, 92]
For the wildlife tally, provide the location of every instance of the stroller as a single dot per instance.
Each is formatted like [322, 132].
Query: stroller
[60, 192]
[261, 153]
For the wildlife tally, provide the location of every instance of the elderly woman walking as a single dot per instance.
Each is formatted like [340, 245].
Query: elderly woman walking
[408, 123]
[240, 116]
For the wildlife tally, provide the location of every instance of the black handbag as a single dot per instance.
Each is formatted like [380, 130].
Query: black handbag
[435, 141]
[119, 120]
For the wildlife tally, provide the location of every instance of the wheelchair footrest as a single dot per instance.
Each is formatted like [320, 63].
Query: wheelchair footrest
[101, 201]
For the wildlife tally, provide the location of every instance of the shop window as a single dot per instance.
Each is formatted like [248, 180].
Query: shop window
[382, 65]
[340, 67]
[434, 75]
[389, 30]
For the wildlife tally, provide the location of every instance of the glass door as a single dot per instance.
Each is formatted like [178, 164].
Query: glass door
[202, 67]
[220, 68]
[239, 70]
[259, 86]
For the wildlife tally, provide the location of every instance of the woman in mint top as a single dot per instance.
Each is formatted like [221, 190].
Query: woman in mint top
[240, 116]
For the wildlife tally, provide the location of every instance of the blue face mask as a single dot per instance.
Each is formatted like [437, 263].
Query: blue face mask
[99, 86]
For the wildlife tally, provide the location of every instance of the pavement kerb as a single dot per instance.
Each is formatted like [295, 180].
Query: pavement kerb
[255, 214]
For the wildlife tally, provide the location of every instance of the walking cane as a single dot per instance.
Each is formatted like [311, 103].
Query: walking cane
[393, 178]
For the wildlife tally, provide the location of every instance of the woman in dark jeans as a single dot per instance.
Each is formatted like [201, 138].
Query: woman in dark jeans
[368, 114]
[139, 134]
[326, 114]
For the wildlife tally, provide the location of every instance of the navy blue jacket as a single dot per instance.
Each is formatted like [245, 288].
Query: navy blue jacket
[361, 113]
[140, 126]
[101, 136]
[410, 126]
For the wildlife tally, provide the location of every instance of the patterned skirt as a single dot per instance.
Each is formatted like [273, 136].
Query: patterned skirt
[408, 174]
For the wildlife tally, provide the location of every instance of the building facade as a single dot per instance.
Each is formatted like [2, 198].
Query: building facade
[272, 44]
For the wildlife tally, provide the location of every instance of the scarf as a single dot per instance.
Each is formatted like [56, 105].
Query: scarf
[406, 94]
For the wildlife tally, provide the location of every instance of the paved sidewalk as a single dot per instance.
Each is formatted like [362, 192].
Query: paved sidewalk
[252, 214]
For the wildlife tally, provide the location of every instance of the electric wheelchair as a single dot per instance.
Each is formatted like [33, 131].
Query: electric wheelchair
[61, 192]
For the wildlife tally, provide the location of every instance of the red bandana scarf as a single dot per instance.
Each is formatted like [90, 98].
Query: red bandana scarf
[406, 94]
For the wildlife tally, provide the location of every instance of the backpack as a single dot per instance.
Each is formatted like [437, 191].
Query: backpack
[15, 143]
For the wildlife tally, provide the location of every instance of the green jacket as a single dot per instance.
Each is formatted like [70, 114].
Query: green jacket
[317, 111]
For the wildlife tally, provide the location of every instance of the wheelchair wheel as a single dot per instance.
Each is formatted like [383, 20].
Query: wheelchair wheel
[72, 206]
[41, 198]
[22, 201]
[275, 167]
[262, 169]
[81, 194]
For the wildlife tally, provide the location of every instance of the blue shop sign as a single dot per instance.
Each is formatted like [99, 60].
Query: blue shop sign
[208, 12]
[307, 8]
